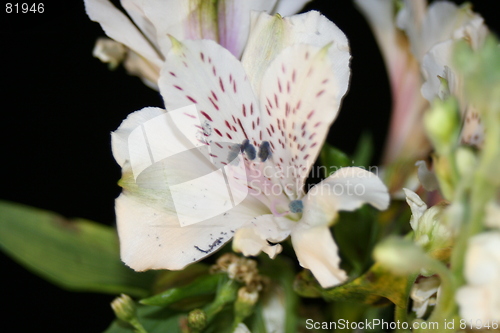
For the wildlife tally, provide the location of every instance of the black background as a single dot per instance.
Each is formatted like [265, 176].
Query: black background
[58, 106]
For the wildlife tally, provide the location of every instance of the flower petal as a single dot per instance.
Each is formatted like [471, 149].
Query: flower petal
[417, 206]
[301, 95]
[117, 26]
[347, 189]
[317, 251]
[234, 22]
[262, 234]
[205, 74]
[289, 7]
[269, 35]
[152, 238]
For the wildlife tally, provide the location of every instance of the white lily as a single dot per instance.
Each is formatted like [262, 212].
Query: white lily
[146, 38]
[282, 111]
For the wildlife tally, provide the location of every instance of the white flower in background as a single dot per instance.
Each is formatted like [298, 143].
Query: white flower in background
[424, 293]
[410, 41]
[146, 36]
[435, 236]
[264, 125]
[479, 299]
[440, 74]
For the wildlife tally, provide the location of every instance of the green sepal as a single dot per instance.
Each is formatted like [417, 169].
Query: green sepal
[76, 254]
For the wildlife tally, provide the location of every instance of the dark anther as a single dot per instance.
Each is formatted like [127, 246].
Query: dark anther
[264, 151]
[249, 149]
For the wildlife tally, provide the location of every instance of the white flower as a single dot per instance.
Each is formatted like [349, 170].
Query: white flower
[424, 293]
[226, 21]
[443, 26]
[260, 132]
[479, 299]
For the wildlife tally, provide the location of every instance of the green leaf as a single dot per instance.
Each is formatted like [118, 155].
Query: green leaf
[364, 151]
[204, 285]
[375, 287]
[78, 254]
[333, 159]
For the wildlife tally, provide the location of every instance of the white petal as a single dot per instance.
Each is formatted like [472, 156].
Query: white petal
[109, 51]
[120, 138]
[436, 63]
[269, 35]
[289, 7]
[135, 9]
[205, 74]
[262, 234]
[136, 65]
[301, 95]
[417, 206]
[117, 26]
[347, 189]
[234, 22]
[317, 251]
[442, 20]
[152, 238]
[427, 178]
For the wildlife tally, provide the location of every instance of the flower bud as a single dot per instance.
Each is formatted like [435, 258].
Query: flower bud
[124, 308]
[466, 161]
[400, 255]
[442, 123]
[197, 320]
[243, 307]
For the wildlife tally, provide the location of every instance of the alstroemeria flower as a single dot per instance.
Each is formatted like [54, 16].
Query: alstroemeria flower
[443, 80]
[409, 42]
[227, 22]
[264, 126]
[406, 138]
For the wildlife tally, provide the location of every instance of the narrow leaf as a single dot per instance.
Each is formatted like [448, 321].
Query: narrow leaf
[77, 254]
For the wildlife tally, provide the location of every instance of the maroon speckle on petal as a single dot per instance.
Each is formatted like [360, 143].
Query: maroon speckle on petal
[320, 93]
[227, 124]
[173, 74]
[317, 124]
[313, 145]
[206, 115]
[293, 76]
[215, 96]
[221, 85]
[229, 136]
[276, 100]
[306, 156]
[251, 108]
[241, 126]
[218, 132]
[244, 110]
[202, 56]
[213, 103]
[234, 87]
[279, 85]
[310, 114]
[177, 87]
[191, 99]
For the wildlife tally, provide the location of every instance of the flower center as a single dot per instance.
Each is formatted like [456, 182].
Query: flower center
[262, 178]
